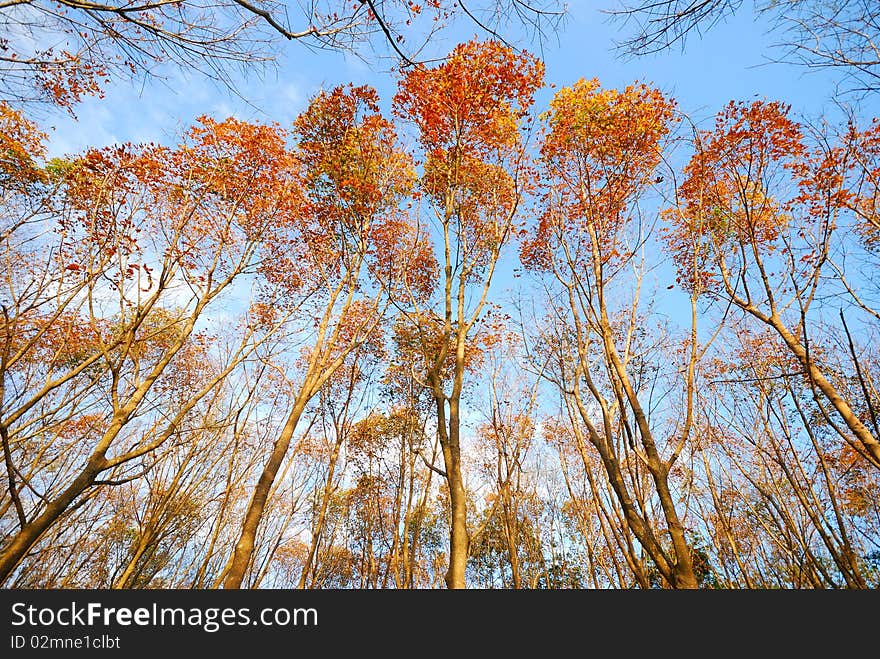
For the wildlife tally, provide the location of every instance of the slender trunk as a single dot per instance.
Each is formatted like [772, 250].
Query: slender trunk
[683, 569]
[511, 531]
[393, 566]
[244, 548]
[199, 579]
[459, 542]
[322, 515]
[723, 523]
[31, 532]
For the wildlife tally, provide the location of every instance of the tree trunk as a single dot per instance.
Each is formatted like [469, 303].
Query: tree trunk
[458, 536]
[459, 542]
[244, 548]
[31, 532]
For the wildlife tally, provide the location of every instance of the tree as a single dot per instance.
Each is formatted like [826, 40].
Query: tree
[236, 360]
[760, 217]
[339, 402]
[764, 449]
[509, 525]
[348, 251]
[468, 112]
[598, 157]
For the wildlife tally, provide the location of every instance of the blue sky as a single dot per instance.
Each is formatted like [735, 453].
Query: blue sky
[728, 62]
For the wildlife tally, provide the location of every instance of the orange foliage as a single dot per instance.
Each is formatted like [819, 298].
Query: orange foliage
[468, 112]
[484, 196]
[67, 77]
[60, 342]
[353, 167]
[858, 486]
[354, 177]
[599, 152]
[21, 142]
[77, 428]
[472, 102]
[370, 437]
[227, 183]
[727, 197]
[98, 186]
[419, 343]
[247, 166]
[859, 156]
[402, 259]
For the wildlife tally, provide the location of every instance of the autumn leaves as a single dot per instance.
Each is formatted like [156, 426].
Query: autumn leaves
[363, 240]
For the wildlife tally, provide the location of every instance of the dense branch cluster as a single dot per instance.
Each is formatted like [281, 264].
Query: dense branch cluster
[59, 51]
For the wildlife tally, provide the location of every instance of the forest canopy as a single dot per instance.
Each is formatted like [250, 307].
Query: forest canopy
[485, 330]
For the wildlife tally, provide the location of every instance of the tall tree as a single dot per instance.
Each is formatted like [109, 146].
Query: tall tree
[599, 156]
[469, 112]
[760, 220]
[349, 251]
